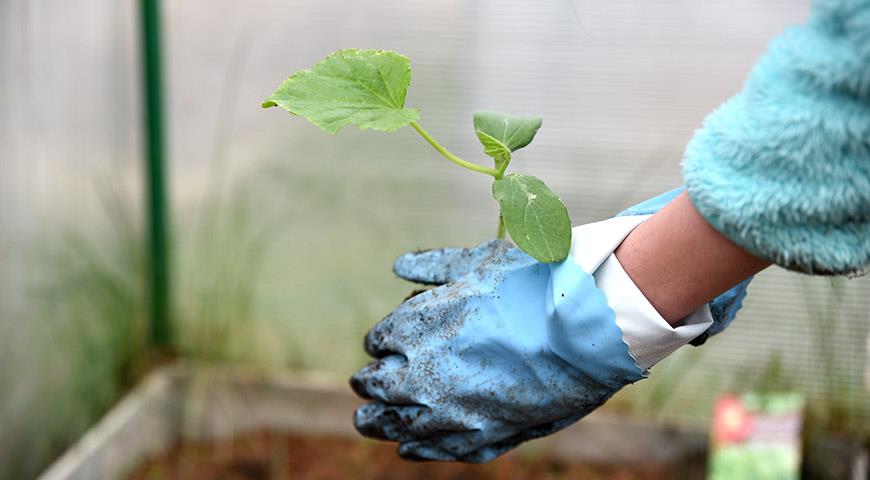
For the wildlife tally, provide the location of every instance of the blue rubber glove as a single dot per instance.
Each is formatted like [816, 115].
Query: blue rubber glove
[504, 350]
[509, 349]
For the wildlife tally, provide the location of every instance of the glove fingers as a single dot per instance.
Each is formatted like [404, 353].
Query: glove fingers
[406, 326]
[400, 423]
[443, 265]
[384, 338]
[543, 430]
[477, 446]
[469, 446]
[498, 448]
[420, 452]
[490, 452]
[382, 380]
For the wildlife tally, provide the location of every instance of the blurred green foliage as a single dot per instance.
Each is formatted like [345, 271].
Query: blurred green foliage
[81, 345]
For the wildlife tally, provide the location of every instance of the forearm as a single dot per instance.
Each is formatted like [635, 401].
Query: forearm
[679, 262]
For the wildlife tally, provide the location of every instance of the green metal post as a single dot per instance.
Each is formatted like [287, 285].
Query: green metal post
[155, 181]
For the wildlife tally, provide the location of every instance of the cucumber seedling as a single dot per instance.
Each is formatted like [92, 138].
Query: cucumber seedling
[367, 88]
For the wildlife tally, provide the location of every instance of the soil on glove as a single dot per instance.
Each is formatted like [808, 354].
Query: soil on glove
[270, 456]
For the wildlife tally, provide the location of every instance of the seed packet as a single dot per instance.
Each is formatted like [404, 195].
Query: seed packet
[756, 435]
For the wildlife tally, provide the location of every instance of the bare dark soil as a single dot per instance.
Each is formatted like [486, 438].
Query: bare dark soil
[270, 456]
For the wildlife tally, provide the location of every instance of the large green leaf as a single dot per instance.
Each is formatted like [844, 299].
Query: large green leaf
[534, 216]
[365, 88]
[503, 134]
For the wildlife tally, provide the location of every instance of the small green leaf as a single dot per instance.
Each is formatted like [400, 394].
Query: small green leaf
[502, 134]
[534, 216]
[365, 88]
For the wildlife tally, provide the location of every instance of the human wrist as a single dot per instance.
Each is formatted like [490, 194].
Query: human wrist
[679, 262]
[647, 335]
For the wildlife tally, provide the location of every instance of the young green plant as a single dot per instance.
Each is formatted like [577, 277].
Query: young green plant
[367, 88]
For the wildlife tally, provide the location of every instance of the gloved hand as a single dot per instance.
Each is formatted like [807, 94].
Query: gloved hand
[506, 349]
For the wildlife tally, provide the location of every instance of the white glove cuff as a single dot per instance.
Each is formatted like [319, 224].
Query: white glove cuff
[649, 337]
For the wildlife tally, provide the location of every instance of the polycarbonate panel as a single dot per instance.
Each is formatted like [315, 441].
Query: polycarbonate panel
[69, 184]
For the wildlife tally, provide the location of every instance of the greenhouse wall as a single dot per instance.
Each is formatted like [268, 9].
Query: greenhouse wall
[283, 236]
[70, 284]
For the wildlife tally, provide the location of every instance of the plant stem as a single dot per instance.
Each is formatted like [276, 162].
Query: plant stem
[453, 158]
[496, 173]
[499, 173]
[501, 228]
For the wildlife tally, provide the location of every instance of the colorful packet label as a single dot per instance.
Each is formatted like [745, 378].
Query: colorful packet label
[756, 435]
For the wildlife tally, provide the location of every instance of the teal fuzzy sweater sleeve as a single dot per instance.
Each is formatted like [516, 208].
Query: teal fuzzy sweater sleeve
[783, 168]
